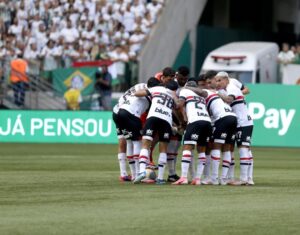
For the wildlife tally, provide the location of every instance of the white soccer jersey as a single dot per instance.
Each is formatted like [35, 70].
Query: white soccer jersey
[136, 105]
[236, 83]
[239, 106]
[216, 107]
[128, 93]
[162, 103]
[194, 105]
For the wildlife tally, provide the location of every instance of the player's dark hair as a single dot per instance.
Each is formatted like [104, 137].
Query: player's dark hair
[201, 77]
[191, 84]
[210, 74]
[168, 72]
[192, 79]
[153, 82]
[172, 85]
[183, 70]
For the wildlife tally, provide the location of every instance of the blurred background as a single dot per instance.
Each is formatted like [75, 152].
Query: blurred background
[65, 39]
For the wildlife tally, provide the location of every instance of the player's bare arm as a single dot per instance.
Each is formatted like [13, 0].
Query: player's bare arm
[198, 91]
[141, 93]
[246, 91]
[226, 98]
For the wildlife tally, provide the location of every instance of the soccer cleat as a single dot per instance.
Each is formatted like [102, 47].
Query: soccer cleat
[215, 182]
[152, 166]
[238, 183]
[140, 177]
[181, 180]
[223, 181]
[148, 181]
[196, 181]
[125, 178]
[173, 178]
[160, 182]
[206, 181]
[250, 182]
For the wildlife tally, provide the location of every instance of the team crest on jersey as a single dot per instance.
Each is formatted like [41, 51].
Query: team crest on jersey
[149, 132]
[195, 137]
[166, 135]
[223, 135]
[128, 134]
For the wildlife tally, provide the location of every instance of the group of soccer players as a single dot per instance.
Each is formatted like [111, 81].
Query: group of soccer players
[208, 112]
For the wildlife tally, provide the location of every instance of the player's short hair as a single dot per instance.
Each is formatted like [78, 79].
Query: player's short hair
[192, 79]
[210, 74]
[201, 77]
[152, 82]
[183, 70]
[172, 85]
[191, 84]
[168, 72]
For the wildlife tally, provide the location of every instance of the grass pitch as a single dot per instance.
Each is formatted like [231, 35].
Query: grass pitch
[74, 189]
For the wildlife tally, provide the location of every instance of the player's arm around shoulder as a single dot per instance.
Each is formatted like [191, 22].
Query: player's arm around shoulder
[142, 93]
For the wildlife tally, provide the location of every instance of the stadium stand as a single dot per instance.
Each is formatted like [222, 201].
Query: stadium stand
[53, 34]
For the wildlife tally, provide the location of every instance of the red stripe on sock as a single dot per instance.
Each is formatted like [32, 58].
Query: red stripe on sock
[143, 157]
[202, 158]
[245, 158]
[129, 157]
[186, 155]
[215, 158]
[226, 161]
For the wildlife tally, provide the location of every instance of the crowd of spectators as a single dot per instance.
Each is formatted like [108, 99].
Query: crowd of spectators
[289, 54]
[52, 34]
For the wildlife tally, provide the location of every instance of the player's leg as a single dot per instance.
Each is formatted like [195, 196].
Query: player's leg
[230, 176]
[164, 132]
[206, 170]
[185, 163]
[172, 153]
[121, 149]
[250, 170]
[243, 141]
[225, 163]
[148, 134]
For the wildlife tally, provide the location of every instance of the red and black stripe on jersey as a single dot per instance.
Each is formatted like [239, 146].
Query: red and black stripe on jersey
[210, 99]
[192, 99]
[237, 100]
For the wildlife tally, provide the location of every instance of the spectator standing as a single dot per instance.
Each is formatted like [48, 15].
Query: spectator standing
[19, 79]
[103, 86]
[285, 56]
[120, 57]
[32, 55]
[48, 54]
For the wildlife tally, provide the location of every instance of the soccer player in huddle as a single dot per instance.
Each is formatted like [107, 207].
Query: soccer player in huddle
[159, 120]
[197, 132]
[235, 98]
[127, 117]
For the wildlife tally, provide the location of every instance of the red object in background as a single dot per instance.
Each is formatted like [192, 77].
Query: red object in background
[95, 63]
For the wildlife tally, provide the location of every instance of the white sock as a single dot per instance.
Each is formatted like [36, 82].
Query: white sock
[231, 168]
[185, 162]
[129, 154]
[250, 169]
[192, 166]
[200, 165]
[226, 164]
[162, 161]
[206, 170]
[244, 163]
[122, 163]
[215, 162]
[136, 152]
[132, 167]
[171, 164]
[143, 160]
